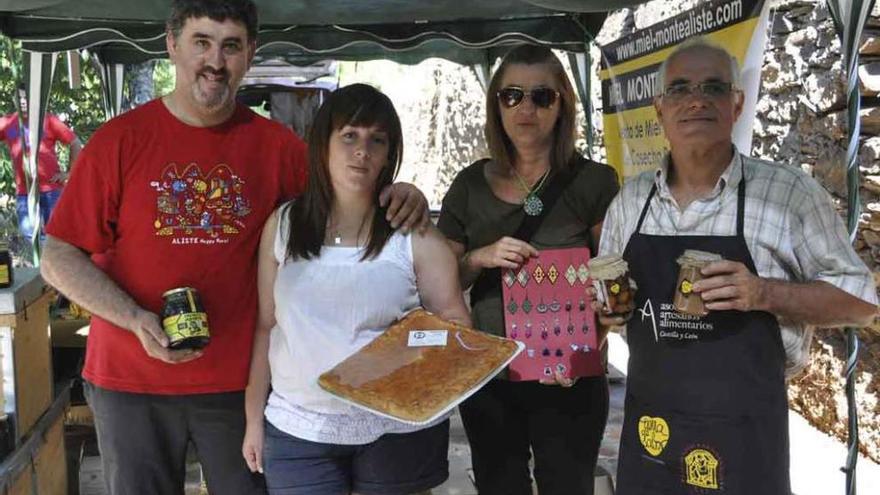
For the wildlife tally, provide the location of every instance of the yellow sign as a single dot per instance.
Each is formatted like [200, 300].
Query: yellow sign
[701, 467]
[654, 434]
[634, 139]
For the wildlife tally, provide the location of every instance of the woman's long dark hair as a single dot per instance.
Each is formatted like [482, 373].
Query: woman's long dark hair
[358, 105]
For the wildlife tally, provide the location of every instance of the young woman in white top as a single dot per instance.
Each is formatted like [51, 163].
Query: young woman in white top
[333, 275]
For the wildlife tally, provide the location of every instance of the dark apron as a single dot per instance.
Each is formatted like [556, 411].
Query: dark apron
[706, 408]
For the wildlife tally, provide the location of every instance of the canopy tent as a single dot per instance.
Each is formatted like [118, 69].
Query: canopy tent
[327, 29]
[301, 31]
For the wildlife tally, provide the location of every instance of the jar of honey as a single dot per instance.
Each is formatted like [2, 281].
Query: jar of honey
[610, 274]
[6, 278]
[184, 319]
[691, 262]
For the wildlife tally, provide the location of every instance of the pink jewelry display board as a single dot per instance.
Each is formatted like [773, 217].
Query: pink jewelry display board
[547, 309]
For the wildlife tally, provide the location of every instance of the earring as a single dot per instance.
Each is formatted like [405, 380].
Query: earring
[512, 306]
[541, 308]
[513, 332]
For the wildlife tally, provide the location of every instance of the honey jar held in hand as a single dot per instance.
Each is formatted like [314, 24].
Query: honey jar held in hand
[690, 263]
[610, 275]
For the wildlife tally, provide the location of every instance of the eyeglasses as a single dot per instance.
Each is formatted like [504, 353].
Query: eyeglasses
[708, 89]
[512, 96]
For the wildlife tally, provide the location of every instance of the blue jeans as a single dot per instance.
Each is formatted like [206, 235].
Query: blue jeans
[48, 200]
[395, 464]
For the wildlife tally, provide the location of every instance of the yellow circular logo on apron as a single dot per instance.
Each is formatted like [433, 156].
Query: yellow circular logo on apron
[654, 434]
[615, 289]
[686, 287]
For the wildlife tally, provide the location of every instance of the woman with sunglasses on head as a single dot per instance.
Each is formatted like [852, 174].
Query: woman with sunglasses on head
[332, 276]
[530, 129]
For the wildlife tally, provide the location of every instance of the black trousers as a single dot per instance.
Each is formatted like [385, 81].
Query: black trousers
[562, 426]
[143, 440]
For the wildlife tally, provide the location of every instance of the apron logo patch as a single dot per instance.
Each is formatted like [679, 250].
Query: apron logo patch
[654, 434]
[701, 469]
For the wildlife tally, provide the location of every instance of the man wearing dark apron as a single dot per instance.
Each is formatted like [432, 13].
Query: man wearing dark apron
[706, 404]
[706, 409]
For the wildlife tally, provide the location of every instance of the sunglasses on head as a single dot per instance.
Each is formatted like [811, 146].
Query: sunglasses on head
[513, 96]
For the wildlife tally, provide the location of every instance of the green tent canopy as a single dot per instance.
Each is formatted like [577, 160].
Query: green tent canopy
[341, 29]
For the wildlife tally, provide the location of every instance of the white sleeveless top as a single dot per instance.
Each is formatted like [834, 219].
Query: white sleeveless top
[327, 308]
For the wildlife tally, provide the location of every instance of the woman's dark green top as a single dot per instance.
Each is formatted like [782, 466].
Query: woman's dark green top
[473, 216]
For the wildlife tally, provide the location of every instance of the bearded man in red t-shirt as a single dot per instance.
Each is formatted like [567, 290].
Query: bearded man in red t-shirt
[174, 194]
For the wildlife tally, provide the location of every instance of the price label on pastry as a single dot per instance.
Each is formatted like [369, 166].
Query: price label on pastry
[427, 338]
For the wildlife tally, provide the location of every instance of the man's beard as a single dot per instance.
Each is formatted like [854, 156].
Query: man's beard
[212, 101]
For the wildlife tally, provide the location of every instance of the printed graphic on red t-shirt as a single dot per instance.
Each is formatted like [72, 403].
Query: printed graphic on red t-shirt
[197, 207]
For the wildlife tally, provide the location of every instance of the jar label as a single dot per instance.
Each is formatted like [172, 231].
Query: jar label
[686, 286]
[4, 274]
[185, 325]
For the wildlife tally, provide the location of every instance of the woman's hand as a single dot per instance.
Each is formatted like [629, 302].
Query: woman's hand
[606, 320]
[506, 252]
[252, 447]
[559, 379]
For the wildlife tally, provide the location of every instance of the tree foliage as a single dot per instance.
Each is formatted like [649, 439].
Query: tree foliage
[81, 108]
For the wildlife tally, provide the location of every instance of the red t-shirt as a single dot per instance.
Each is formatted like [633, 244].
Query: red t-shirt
[160, 205]
[47, 162]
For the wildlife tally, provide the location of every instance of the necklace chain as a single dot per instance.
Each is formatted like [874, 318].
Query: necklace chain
[522, 183]
[532, 204]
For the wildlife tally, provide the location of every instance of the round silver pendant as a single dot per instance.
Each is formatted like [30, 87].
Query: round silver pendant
[533, 205]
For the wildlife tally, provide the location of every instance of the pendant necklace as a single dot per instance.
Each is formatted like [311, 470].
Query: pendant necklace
[336, 233]
[532, 204]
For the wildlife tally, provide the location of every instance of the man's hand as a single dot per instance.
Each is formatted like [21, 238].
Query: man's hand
[407, 207]
[559, 379]
[148, 329]
[507, 252]
[730, 285]
[59, 178]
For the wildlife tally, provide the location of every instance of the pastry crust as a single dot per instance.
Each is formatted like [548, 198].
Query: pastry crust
[415, 383]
